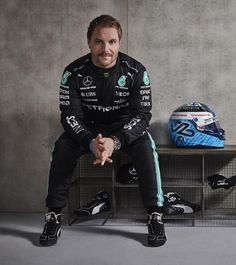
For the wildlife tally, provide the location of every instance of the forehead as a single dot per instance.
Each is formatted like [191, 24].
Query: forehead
[105, 33]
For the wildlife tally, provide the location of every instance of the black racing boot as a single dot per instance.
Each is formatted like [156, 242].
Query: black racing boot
[156, 231]
[52, 229]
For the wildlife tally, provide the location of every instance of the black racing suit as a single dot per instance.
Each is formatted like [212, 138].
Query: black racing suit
[114, 101]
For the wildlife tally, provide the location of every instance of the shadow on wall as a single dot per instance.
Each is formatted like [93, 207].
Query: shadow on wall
[159, 132]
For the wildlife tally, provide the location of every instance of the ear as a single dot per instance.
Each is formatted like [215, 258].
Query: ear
[89, 44]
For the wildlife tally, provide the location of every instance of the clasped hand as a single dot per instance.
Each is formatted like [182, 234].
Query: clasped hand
[103, 148]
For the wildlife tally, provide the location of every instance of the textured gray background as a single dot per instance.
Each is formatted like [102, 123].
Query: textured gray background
[188, 47]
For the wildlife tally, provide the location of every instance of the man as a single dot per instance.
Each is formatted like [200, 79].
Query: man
[105, 103]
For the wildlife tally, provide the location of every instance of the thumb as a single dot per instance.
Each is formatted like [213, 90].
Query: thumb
[99, 135]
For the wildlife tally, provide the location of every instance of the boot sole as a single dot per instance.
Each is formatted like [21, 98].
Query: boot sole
[47, 243]
[157, 243]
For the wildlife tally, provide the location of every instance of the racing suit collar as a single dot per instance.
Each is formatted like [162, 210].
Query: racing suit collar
[104, 72]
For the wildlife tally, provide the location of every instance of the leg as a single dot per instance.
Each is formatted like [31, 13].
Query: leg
[64, 159]
[145, 159]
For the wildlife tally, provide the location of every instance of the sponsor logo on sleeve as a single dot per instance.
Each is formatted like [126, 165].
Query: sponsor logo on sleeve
[71, 120]
[146, 80]
[132, 123]
[65, 77]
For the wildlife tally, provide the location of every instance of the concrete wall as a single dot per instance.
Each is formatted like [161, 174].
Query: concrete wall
[188, 47]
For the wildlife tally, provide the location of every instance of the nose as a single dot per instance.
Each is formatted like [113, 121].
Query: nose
[106, 47]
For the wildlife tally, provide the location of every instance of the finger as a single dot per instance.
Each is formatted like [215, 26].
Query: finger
[101, 148]
[100, 157]
[99, 136]
[103, 159]
[100, 141]
[102, 162]
[109, 160]
[97, 161]
[104, 155]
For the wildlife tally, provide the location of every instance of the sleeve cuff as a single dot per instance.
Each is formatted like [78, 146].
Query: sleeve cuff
[121, 137]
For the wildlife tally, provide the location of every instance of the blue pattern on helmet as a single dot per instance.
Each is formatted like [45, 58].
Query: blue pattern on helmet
[186, 132]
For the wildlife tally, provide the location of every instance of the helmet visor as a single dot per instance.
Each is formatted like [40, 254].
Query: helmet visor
[215, 129]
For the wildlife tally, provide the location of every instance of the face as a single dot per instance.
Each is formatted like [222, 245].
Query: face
[104, 46]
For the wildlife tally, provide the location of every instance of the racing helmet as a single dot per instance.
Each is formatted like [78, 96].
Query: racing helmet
[195, 125]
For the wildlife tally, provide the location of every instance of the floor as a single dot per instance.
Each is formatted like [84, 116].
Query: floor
[115, 242]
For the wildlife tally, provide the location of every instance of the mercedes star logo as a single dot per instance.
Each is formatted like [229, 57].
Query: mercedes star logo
[87, 81]
[132, 170]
